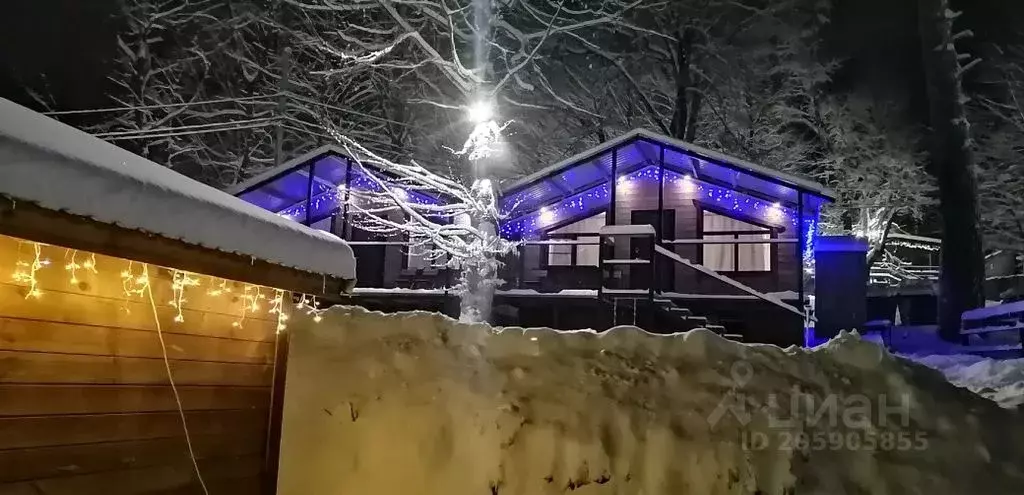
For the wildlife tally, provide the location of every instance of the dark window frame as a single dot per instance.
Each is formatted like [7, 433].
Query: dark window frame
[545, 252]
[772, 231]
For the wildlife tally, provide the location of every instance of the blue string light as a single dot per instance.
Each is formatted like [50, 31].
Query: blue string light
[594, 200]
[589, 202]
[331, 198]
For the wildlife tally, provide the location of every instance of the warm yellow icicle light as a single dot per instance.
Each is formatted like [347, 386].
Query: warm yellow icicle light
[277, 307]
[312, 307]
[25, 272]
[72, 265]
[254, 304]
[248, 301]
[180, 280]
[132, 284]
[219, 289]
[90, 264]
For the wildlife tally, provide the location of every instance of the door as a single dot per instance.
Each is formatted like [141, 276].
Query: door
[640, 247]
[369, 259]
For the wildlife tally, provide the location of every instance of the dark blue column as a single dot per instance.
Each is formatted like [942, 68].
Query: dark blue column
[841, 284]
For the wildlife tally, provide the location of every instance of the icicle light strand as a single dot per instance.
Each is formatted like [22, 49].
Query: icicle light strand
[180, 280]
[25, 272]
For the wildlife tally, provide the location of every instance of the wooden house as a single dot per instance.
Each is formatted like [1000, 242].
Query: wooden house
[723, 231]
[141, 318]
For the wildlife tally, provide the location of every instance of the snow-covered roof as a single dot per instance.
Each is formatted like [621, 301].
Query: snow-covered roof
[306, 188]
[327, 149]
[898, 232]
[58, 167]
[687, 148]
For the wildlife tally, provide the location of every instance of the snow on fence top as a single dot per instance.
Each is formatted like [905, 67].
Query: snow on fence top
[58, 167]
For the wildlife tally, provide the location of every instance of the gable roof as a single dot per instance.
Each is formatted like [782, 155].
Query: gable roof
[258, 179]
[60, 168]
[690, 149]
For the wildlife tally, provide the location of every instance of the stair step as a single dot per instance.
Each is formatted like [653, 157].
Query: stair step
[716, 328]
[734, 336]
[697, 319]
[683, 312]
[624, 292]
[627, 262]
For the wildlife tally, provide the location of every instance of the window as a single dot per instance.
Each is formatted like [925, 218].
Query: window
[586, 254]
[735, 257]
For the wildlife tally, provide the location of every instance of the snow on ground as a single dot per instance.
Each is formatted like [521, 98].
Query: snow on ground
[1001, 380]
[416, 403]
[58, 167]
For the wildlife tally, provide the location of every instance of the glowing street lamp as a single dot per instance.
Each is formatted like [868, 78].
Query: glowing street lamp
[484, 140]
[480, 112]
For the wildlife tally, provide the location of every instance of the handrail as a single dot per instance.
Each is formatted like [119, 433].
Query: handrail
[378, 243]
[561, 242]
[730, 241]
[707, 271]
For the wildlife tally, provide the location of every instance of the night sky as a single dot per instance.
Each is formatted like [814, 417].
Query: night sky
[64, 46]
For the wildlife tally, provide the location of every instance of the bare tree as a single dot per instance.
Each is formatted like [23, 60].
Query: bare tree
[454, 223]
[204, 88]
[869, 157]
[447, 56]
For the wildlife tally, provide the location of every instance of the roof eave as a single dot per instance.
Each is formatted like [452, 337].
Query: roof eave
[28, 220]
[788, 180]
[259, 179]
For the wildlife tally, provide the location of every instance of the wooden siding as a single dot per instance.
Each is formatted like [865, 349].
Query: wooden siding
[85, 402]
[643, 195]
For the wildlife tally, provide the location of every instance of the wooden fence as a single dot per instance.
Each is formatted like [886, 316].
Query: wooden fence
[85, 402]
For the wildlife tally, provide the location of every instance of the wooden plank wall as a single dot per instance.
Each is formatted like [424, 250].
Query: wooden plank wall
[643, 195]
[85, 403]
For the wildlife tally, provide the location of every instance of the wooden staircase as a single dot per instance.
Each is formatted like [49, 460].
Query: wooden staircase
[645, 307]
[660, 315]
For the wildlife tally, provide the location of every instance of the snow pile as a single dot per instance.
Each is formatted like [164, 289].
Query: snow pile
[415, 403]
[999, 380]
[61, 168]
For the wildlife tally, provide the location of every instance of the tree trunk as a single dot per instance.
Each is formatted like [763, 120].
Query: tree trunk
[682, 114]
[877, 249]
[477, 286]
[479, 280]
[962, 265]
[696, 99]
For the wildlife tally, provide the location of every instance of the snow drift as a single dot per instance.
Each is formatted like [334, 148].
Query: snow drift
[1001, 380]
[416, 403]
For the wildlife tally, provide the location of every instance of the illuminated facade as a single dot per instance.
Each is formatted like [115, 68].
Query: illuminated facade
[751, 223]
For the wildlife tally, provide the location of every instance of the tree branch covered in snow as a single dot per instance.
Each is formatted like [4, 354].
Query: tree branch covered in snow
[443, 220]
[205, 87]
[437, 220]
[999, 134]
[447, 55]
[869, 157]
